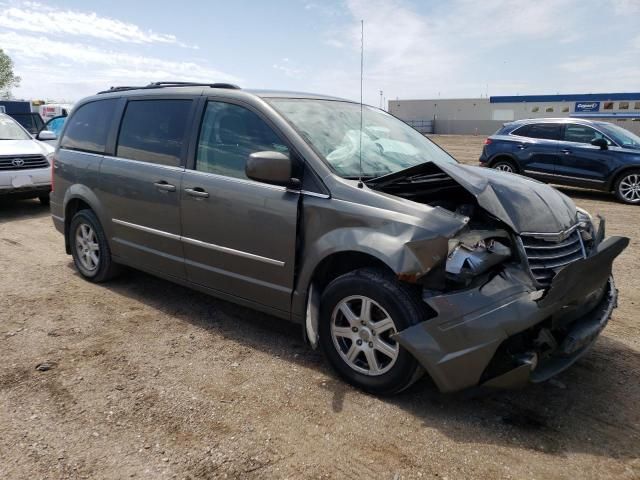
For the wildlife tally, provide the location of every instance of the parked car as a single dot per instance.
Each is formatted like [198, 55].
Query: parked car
[569, 151]
[395, 259]
[54, 126]
[24, 168]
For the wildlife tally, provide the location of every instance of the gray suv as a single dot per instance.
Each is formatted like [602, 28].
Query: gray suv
[394, 259]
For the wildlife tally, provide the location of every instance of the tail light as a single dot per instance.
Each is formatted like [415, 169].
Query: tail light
[487, 141]
[51, 159]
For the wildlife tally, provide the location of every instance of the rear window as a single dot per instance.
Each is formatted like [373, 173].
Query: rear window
[88, 127]
[153, 131]
[547, 131]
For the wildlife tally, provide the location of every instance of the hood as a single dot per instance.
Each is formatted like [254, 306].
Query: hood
[521, 203]
[24, 147]
[524, 204]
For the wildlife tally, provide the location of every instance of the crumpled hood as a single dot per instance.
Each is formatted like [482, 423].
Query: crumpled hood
[524, 204]
[24, 147]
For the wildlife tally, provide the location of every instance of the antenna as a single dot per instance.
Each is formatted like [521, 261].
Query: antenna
[360, 184]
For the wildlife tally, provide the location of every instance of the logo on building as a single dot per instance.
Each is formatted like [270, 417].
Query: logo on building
[587, 106]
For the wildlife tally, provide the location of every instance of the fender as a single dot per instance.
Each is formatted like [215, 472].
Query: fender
[410, 246]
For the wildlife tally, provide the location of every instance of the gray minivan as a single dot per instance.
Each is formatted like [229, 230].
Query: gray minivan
[393, 257]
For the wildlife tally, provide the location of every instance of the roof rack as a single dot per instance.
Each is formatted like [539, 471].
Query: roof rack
[153, 85]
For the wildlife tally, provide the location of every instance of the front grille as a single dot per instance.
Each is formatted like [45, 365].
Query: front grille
[22, 162]
[546, 254]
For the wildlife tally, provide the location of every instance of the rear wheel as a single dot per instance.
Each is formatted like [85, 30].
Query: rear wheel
[627, 188]
[359, 314]
[89, 248]
[505, 166]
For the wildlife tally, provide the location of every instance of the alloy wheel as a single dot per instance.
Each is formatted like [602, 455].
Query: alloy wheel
[629, 188]
[361, 331]
[504, 167]
[87, 247]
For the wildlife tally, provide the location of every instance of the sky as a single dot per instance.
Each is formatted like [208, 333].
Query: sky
[65, 50]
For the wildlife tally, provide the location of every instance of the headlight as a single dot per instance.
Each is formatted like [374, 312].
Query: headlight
[584, 217]
[469, 259]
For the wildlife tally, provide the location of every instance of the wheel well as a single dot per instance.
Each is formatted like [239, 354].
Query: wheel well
[338, 264]
[504, 158]
[622, 172]
[73, 206]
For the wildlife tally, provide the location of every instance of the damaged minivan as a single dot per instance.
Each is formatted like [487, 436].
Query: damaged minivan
[396, 260]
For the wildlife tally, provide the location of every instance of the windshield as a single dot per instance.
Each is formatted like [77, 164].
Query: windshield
[10, 130]
[333, 130]
[622, 137]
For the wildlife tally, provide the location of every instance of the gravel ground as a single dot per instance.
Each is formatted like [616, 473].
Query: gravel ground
[145, 379]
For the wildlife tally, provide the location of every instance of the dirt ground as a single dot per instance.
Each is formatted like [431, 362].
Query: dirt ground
[151, 380]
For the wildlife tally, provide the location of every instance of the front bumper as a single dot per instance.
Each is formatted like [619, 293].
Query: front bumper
[506, 333]
[24, 182]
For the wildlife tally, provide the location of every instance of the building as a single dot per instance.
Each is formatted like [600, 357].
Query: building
[483, 116]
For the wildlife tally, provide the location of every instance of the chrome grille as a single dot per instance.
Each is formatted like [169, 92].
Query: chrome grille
[546, 254]
[22, 162]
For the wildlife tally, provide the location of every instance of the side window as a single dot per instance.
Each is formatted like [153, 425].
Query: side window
[547, 131]
[153, 131]
[582, 134]
[522, 131]
[228, 135]
[89, 126]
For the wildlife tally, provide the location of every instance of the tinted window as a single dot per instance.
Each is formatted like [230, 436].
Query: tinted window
[229, 134]
[548, 131]
[582, 134]
[31, 121]
[88, 127]
[153, 131]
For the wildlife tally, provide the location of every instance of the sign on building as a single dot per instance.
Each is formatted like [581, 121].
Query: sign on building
[587, 106]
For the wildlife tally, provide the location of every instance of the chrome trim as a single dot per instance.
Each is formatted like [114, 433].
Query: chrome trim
[142, 228]
[562, 235]
[534, 172]
[82, 152]
[237, 180]
[141, 162]
[239, 253]
[314, 194]
[199, 243]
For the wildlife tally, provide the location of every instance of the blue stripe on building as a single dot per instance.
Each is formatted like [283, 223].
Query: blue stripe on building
[586, 97]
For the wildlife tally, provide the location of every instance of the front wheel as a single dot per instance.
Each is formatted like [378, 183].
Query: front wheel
[89, 248]
[627, 188]
[359, 314]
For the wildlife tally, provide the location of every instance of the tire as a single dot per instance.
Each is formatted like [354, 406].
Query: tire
[90, 249]
[627, 187]
[505, 166]
[388, 298]
[44, 199]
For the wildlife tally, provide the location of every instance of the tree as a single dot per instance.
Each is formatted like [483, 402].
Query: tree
[7, 78]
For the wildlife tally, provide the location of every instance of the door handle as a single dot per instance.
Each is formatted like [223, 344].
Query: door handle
[197, 192]
[566, 151]
[164, 186]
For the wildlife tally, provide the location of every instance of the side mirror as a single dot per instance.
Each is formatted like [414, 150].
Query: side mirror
[274, 168]
[600, 142]
[46, 135]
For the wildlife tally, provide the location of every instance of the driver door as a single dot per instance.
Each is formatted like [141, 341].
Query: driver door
[239, 235]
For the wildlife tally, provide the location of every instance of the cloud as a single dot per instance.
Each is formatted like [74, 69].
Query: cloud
[286, 67]
[38, 18]
[40, 59]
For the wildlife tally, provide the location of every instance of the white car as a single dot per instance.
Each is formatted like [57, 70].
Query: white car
[24, 163]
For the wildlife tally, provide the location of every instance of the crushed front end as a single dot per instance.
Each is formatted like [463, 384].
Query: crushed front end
[514, 324]
[526, 286]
